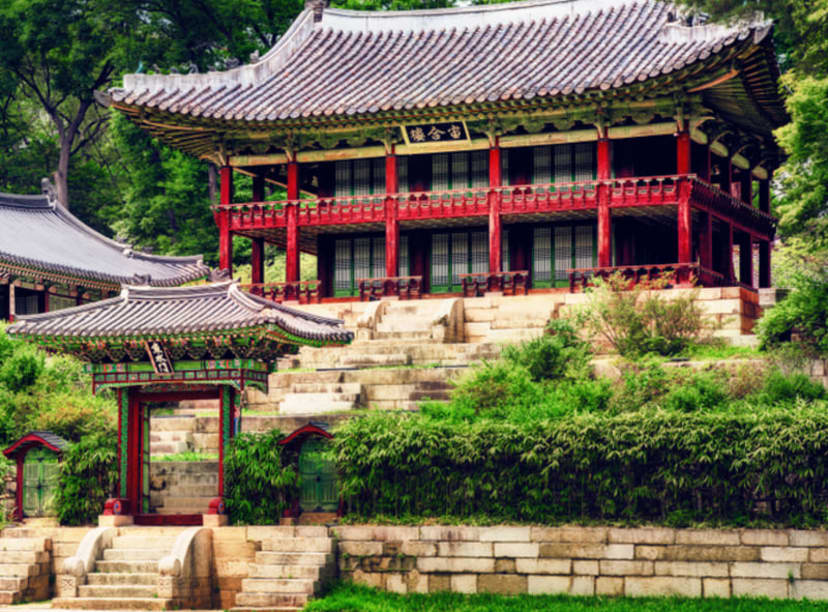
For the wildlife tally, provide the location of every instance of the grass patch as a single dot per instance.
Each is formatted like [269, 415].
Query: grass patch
[715, 351]
[188, 456]
[348, 597]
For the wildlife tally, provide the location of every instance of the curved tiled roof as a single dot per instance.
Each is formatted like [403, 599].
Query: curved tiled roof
[40, 237]
[355, 62]
[151, 312]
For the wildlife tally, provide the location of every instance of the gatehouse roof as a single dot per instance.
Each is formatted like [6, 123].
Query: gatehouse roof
[217, 309]
[40, 237]
[343, 63]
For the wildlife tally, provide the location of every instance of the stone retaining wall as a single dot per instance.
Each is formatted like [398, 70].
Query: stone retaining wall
[587, 560]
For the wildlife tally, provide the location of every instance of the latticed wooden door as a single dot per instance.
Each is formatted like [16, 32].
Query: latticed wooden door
[319, 483]
[455, 254]
[40, 479]
[556, 250]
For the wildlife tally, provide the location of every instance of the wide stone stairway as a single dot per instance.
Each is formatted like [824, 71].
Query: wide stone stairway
[183, 487]
[126, 575]
[289, 570]
[24, 568]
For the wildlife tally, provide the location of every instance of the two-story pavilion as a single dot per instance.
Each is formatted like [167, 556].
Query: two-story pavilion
[550, 136]
[50, 260]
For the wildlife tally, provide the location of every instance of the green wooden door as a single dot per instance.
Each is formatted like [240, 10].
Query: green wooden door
[319, 483]
[40, 475]
[455, 254]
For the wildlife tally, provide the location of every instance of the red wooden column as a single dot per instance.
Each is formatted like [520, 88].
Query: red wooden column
[764, 195]
[225, 235]
[257, 245]
[495, 180]
[604, 154]
[685, 230]
[706, 241]
[746, 260]
[392, 225]
[764, 263]
[292, 213]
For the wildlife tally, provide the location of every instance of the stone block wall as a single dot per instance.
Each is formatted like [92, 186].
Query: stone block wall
[587, 560]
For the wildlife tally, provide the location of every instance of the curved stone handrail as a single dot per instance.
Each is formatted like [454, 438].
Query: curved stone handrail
[184, 574]
[76, 567]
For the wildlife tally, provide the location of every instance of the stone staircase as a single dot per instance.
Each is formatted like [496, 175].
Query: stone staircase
[126, 578]
[170, 435]
[182, 487]
[289, 570]
[25, 568]
[320, 397]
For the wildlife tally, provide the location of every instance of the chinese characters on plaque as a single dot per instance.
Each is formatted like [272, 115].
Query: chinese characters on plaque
[426, 133]
[160, 359]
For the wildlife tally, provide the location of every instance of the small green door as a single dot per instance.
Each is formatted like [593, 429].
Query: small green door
[40, 476]
[319, 483]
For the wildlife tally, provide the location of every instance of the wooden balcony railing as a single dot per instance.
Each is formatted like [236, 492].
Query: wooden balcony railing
[477, 284]
[510, 200]
[403, 287]
[680, 275]
[304, 292]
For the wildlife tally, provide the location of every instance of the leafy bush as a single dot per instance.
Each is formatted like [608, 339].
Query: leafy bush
[88, 477]
[258, 479]
[6, 469]
[558, 354]
[780, 388]
[638, 320]
[801, 317]
[665, 466]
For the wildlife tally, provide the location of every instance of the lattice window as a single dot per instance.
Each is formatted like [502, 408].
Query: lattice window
[439, 171]
[378, 259]
[362, 258]
[563, 252]
[402, 174]
[342, 265]
[439, 259]
[342, 178]
[563, 163]
[480, 169]
[479, 252]
[542, 165]
[584, 161]
[459, 256]
[505, 261]
[504, 166]
[584, 246]
[542, 255]
[459, 170]
[362, 177]
[378, 174]
[402, 259]
[26, 304]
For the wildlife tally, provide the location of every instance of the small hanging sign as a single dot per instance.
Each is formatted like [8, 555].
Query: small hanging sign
[159, 357]
[429, 133]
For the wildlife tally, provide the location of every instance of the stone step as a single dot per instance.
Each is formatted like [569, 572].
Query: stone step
[117, 603]
[305, 572]
[387, 334]
[18, 569]
[158, 437]
[298, 544]
[135, 554]
[171, 532]
[314, 403]
[301, 531]
[160, 424]
[168, 448]
[154, 542]
[279, 585]
[9, 597]
[11, 541]
[111, 591]
[126, 567]
[177, 503]
[277, 600]
[13, 583]
[193, 490]
[122, 578]
[337, 388]
[264, 557]
[24, 556]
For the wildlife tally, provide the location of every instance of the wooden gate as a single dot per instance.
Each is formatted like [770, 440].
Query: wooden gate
[319, 483]
[40, 479]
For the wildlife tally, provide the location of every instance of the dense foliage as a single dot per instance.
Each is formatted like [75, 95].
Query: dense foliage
[801, 317]
[259, 480]
[88, 477]
[672, 467]
[47, 393]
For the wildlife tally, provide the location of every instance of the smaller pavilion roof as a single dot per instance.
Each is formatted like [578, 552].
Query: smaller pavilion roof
[142, 313]
[46, 438]
[39, 236]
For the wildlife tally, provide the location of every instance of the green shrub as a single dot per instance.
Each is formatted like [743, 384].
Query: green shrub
[22, 368]
[780, 388]
[701, 391]
[6, 469]
[801, 317]
[88, 477]
[258, 479]
[659, 466]
[558, 354]
[494, 389]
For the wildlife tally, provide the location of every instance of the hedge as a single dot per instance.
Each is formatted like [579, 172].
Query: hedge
[657, 466]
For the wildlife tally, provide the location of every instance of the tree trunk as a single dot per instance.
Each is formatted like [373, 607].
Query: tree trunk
[212, 183]
[61, 175]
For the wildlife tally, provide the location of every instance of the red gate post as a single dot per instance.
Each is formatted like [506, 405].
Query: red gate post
[292, 246]
[604, 155]
[392, 225]
[684, 221]
[495, 180]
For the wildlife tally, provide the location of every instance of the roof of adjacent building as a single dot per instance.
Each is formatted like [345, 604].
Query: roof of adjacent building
[40, 237]
[151, 312]
[358, 62]
[46, 438]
